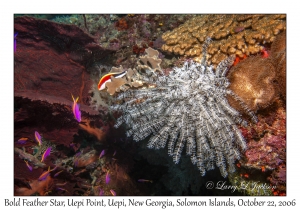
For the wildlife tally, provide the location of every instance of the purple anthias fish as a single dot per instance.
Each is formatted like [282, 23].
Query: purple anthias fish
[102, 154]
[15, 41]
[38, 138]
[78, 154]
[46, 154]
[76, 162]
[75, 109]
[107, 177]
[28, 166]
[22, 140]
[101, 192]
[55, 175]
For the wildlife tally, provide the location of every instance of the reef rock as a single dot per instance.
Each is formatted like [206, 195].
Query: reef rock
[51, 58]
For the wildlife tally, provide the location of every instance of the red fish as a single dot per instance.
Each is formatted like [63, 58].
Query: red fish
[106, 78]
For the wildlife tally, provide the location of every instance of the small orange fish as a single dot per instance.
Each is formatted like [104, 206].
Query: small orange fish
[238, 165]
[246, 175]
[263, 168]
[113, 192]
[61, 184]
[46, 174]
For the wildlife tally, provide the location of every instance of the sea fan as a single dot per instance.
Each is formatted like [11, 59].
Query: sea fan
[188, 108]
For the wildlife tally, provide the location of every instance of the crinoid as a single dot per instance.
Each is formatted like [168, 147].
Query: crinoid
[188, 107]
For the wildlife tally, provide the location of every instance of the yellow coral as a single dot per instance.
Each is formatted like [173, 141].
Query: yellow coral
[231, 34]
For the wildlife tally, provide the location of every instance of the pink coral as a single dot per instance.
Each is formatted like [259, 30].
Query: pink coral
[266, 141]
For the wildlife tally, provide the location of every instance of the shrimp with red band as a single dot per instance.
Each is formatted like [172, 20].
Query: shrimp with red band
[107, 78]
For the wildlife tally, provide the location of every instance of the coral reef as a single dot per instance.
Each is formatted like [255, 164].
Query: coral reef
[267, 145]
[189, 107]
[278, 56]
[278, 178]
[51, 55]
[252, 80]
[267, 153]
[129, 35]
[36, 187]
[51, 63]
[133, 78]
[164, 99]
[260, 80]
[232, 34]
[251, 187]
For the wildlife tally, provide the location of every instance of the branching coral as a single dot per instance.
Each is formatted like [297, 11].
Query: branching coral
[232, 34]
[187, 107]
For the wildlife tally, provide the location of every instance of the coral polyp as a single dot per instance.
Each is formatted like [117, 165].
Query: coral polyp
[188, 108]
